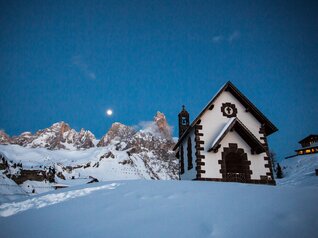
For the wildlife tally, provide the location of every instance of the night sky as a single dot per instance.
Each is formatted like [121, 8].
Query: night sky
[71, 60]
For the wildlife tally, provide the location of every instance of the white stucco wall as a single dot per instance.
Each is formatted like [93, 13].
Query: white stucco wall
[212, 167]
[213, 122]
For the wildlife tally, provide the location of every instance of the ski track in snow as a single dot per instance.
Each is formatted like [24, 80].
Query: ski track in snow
[9, 209]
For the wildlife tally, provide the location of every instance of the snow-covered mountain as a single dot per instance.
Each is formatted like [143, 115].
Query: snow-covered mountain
[58, 136]
[61, 155]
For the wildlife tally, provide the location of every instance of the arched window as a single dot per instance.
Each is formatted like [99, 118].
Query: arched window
[190, 165]
[181, 160]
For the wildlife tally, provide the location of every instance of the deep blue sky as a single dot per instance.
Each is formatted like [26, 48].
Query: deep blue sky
[70, 60]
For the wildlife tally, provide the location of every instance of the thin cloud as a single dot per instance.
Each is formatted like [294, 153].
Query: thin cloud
[235, 35]
[217, 39]
[83, 67]
[151, 127]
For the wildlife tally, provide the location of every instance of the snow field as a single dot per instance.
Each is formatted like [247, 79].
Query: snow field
[165, 209]
[299, 171]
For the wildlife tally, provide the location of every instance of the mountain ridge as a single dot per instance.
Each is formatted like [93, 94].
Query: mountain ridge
[60, 155]
[61, 136]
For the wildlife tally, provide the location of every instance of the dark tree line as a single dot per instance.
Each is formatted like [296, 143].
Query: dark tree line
[275, 166]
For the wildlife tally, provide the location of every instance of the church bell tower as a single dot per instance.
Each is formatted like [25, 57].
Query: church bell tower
[184, 120]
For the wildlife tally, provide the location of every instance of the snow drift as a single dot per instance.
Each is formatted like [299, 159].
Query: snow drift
[165, 209]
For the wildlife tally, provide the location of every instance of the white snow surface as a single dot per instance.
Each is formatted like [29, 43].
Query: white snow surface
[299, 171]
[105, 169]
[9, 190]
[79, 167]
[164, 209]
[154, 208]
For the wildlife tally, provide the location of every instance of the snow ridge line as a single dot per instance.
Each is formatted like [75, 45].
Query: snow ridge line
[9, 209]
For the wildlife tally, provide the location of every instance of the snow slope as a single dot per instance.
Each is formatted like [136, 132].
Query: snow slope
[164, 209]
[299, 171]
[119, 164]
[9, 190]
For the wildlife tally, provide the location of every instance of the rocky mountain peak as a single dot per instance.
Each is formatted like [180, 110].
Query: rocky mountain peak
[118, 132]
[23, 139]
[84, 139]
[61, 136]
[60, 127]
[4, 138]
[58, 136]
[162, 124]
[151, 131]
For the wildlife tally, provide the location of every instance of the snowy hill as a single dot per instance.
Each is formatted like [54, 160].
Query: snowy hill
[132, 205]
[300, 171]
[165, 209]
[9, 190]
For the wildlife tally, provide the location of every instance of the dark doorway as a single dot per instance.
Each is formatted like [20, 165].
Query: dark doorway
[235, 166]
[234, 163]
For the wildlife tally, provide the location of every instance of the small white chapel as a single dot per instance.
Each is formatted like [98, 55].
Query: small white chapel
[226, 142]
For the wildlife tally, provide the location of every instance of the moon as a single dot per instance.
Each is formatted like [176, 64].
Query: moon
[109, 112]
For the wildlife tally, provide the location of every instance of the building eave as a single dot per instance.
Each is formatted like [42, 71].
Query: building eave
[306, 138]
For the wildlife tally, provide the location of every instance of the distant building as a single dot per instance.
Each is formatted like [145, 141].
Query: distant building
[309, 145]
[226, 142]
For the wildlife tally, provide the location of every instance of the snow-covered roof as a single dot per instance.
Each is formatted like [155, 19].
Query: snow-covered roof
[218, 138]
[237, 125]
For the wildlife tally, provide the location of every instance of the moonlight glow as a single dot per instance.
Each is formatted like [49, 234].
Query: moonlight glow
[109, 112]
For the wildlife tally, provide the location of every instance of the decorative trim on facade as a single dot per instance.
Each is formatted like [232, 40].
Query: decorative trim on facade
[267, 157]
[216, 149]
[227, 174]
[199, 147]
[262, 130]
[229, 110]
[211, 107]
[200, 171]
[200, 162]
